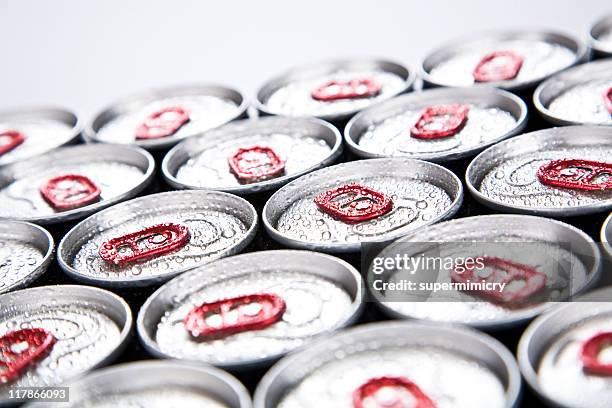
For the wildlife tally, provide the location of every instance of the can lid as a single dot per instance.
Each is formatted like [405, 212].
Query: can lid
[600, 36]
[606, 235]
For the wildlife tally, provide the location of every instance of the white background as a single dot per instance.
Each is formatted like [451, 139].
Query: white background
[83, 54]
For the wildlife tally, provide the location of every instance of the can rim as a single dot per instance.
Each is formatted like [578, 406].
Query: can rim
[607, 245]
[564, 78]
[357, 306]
[260, 186]
[90, 134]
[43, 265]
[147, 280]
[512, 389]
[355, 247]
[579, 49]
[471, 177]
[326, 65]
[352, 139]
[604, 48]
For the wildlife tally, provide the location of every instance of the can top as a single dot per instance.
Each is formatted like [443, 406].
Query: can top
[35, 190]
[157, 383]
[337, 208]
[38, 130]
[302, 144]
[168, 233]
[600, 36]
[320, 294]
[541, 54]
[578, 96]
[292, 93]
[374, 338]
[606, 235]
[384, 130]
[537, 242]
[26, 250]
[555, 172]
[160, 118]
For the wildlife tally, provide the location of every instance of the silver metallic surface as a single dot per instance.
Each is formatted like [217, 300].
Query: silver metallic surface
[600, 36]
[606, 236]
[384, 130]
[305, 144]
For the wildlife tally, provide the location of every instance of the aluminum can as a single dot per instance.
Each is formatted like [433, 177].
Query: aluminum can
[600, 37]
[148, 240]
[399, 363]
[579, 96]
[338, 208]
[158, 119]
[511, 60]
[68, 330]
[252, 156]
[438, 125]
[333, 90]
[247, 311]
[606, 236]
[558, 172]
[562, 354]
[155, 384]
[72, 182]
[26, 250]
[26, 133]
[568, 259]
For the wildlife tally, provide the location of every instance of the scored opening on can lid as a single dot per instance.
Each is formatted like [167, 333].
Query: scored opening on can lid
[142, 381]
[600, 36]
[312, 76]
[216, 225]
[576, 96]
[303, 144]
[494, 115]
[421, 193]
[42, 129]
[505, 176]
[373, 338]
[26, 250]
[460, 58]
[536, 241]
[206, 106]
[321, 293]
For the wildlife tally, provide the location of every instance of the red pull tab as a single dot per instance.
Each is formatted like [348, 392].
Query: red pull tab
[21, 348]
[149, 242]
[589, 354]
[608, 100]
[353, 203]
[498, 66]
[503, 271]
[10, 139]
[391, 392]
[69, 191]
[576, 174]
[352, 89]
[235, 315]
[162, 123]
[440, 121]
[256, 163]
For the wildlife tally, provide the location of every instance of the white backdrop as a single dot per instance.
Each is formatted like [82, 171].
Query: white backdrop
[84, 54]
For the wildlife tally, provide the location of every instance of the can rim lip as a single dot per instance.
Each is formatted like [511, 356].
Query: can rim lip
[501, 324]
[80, 212]
[331, 63]
[604, 48]
[580, 53]
[355, 148]
[607, 245]
[76, 129]
[143, 281]
[544, 110]
[539, 211]
[262, 186]
[347, 248]
[357, 306]
[512, 391]
[42, 266]
[528, 371]
[91, 136]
